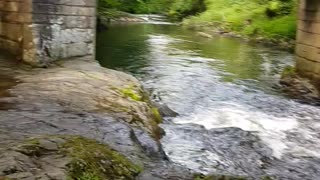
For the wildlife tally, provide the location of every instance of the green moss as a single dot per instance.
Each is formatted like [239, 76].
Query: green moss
[266, 178]
[89, 159]
[31, 148]
[157, 115]
[130, 93]
[288, 71]
[93, 161]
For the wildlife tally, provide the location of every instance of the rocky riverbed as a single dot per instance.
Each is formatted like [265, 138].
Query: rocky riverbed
[44, 112]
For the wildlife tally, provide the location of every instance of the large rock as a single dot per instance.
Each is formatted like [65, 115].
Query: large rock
[78, 97]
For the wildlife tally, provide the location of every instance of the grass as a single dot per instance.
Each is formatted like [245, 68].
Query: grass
[270, 19]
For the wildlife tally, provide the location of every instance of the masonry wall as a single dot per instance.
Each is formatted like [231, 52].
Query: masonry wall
[41, 31]
[308, 40]
[12, 23]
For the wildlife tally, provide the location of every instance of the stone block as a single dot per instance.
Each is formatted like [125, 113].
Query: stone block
[12, 31]
[309, 52]
[309, 15]
[309, 26]
[83, 22]
[304, 65]
[15, 17]
[69, 36]
[309, 5]
[11, 46]
[88, 3]
[308, 38]
[47, 30]
[77, 49]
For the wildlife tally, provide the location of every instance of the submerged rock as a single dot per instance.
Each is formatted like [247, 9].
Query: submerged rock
[206, 35]
[164, 110]
[298, 87]
[232, 153]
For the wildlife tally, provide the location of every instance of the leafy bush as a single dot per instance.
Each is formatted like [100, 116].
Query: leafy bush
[268, 18]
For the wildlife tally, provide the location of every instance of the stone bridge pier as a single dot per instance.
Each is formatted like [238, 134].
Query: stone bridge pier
[41, 31]
[308, 40]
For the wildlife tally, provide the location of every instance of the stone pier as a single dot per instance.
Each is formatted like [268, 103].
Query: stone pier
[308, 40]
[41, 31]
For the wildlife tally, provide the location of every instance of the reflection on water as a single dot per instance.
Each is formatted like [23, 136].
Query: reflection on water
[219, 82]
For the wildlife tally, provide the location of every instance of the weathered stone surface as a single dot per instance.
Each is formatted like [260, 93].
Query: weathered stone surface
[45, 31]
[77, 97]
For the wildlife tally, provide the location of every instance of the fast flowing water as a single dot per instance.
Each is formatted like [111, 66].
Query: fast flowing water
[232, 119]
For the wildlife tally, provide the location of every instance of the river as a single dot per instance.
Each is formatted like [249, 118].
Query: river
[232, 117]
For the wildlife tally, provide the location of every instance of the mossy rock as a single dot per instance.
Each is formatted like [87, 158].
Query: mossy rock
[156, 114]
[288, 71]
[89, 160]
[132, 94]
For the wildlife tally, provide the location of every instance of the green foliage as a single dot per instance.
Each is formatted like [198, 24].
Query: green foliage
[135, 6]
[268, 18]
[182, 8]
[272, 19]
[176, 8]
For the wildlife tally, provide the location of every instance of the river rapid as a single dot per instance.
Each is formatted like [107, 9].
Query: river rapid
[232, 117]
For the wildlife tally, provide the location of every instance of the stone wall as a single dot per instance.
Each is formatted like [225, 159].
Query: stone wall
[308, 40]
[41, 31]
[12, 22]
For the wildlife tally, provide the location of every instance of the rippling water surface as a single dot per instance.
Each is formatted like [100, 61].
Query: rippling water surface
[221, 87]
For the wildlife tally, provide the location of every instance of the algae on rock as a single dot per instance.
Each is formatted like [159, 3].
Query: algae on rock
[82, 159]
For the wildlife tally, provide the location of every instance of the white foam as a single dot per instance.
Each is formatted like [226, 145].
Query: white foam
[271, 129]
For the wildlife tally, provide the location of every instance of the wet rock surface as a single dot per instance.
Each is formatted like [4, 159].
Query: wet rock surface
[300, 88]
[78, 97]
[233, 151]
[64, 157]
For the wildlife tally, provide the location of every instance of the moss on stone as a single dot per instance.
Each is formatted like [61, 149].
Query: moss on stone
[89, 160]
[130, 93]
[92, 160]
[266, 178]
[288, 71]
[157, 115]
[31, 148]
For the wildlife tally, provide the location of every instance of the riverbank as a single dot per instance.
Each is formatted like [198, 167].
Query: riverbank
[210, 31]
[272, 22]
[44, 112]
